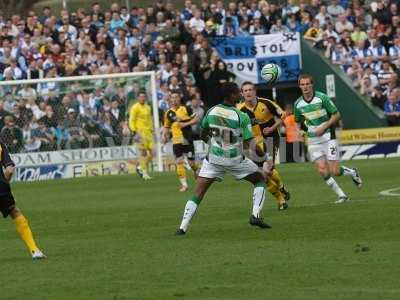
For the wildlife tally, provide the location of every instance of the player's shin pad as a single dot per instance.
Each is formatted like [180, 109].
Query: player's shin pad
[143, 163]
[276, 178]
[189, 212]
[25, 232]
[180, 170]
[275, 191]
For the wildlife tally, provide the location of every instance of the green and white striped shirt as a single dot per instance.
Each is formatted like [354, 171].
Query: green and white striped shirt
[314, 113]
[229, 127]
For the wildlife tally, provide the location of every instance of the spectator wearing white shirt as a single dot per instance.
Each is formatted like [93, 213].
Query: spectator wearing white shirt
[9, 102]
[338, 55]
[385, 74]
[87, 105]
[278, 27]
[290, 8]
[26, 42]
[362, 54]
[23, 60]
[27, 92]
[334, 9]
[343, 24]
[355, 72]
[256, 28]
[323, 16]
[68, 29]
[196, 21]
[370, 73]
[366, 88]
[14, 70]
[36, 110]
[124, 15]
[5, 55]
[330, 31]
[394, 52]
[166, 72]
[378, 52]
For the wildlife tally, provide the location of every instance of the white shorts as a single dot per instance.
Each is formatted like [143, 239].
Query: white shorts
[329, 149]
[239, 171]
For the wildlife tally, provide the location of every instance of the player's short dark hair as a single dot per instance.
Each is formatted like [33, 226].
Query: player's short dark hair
[177, 92]
[247, 83]
[228, 89]
[305, 76]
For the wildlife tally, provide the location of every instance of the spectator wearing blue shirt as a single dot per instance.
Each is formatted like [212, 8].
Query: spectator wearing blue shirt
[292, 23]
[305, 23]
[133, 17]
[392, 108]
[187, 12]
[116, 22]
[230, 27]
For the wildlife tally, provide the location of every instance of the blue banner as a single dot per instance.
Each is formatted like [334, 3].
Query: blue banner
[245, 56]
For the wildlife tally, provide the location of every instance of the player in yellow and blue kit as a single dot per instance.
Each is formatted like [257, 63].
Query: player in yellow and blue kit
[266, 116]
[178, 121]
[141, 125]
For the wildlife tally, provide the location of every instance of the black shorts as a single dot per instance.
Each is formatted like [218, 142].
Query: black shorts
[181, 149]
[7, 204]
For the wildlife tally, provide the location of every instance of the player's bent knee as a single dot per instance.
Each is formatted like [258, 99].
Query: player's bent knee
[14, 212]
[334, 170]
[260, 184]
[180, 160]
[323, 170]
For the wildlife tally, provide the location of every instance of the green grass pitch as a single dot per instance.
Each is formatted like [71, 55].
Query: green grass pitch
[113, 238]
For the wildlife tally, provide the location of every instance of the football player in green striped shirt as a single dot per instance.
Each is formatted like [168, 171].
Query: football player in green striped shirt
[319, 115]
[230, 135]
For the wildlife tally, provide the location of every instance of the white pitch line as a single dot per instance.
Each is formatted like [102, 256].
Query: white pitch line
[330, 203]
[390, 192]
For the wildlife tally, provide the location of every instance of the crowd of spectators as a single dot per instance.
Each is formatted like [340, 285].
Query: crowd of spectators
[362, 38]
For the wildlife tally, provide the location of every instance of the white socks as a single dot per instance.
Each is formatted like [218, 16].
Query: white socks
[335, 187]
[258, 200]
[190, 210]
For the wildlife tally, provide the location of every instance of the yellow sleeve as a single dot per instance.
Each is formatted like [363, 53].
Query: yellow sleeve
[132, 118]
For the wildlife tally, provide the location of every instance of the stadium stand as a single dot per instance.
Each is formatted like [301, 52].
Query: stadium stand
[362, 37]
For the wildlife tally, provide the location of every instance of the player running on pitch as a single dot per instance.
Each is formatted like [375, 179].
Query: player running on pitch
[178, 121]
[319, 115]
[8, 207]
[266, 117]
[230, 132]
